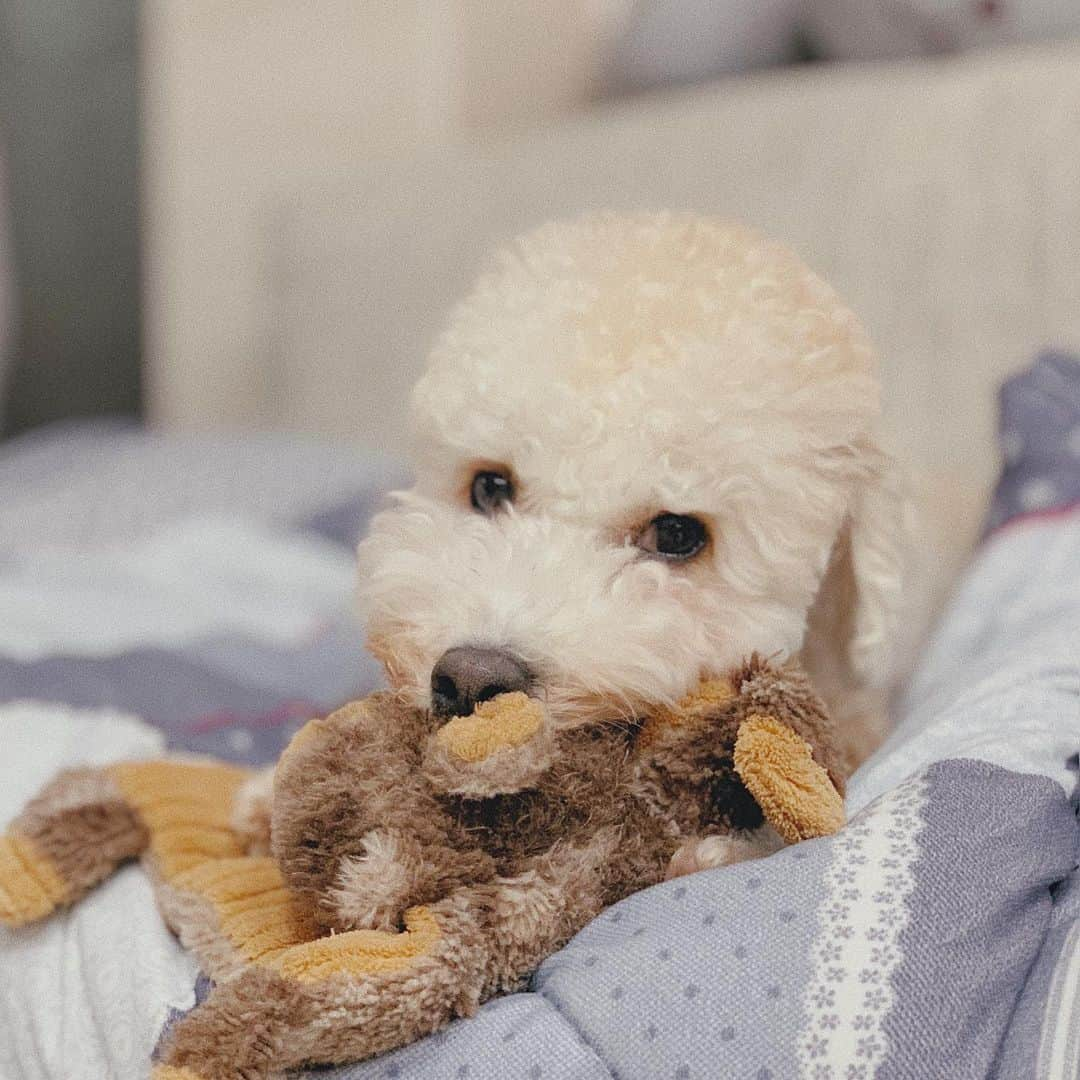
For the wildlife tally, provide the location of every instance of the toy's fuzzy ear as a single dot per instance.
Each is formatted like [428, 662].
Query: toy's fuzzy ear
[859, 609]
[794, 792]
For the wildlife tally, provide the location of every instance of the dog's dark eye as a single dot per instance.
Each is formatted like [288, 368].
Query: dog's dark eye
[490, 490]
[674, 536]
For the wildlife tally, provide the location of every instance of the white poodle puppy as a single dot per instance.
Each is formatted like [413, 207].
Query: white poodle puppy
[648, 448]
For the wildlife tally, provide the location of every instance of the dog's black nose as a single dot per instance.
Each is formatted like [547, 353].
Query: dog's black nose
[467, 675]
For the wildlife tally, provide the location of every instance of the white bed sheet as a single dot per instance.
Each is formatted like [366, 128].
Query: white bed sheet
[84, 995]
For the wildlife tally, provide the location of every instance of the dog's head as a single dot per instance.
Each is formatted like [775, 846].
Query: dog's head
[643, 442]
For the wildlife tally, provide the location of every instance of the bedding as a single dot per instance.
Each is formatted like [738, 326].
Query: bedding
[157, 592]
[191, 593]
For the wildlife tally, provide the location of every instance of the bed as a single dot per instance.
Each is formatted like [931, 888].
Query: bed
[192, 593]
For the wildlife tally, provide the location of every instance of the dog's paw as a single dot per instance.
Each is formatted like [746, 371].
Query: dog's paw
[709, 852]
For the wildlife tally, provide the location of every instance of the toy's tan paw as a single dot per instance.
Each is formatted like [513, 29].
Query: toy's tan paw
[709, 852]
[505, 722]
[792, 789]
[503, 746]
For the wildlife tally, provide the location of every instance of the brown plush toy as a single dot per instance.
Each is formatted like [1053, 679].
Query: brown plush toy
[418, 867]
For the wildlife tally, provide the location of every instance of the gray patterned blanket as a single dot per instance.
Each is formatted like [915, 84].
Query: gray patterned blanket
[161, 591]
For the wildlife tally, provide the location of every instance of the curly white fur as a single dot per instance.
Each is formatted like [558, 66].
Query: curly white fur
[622, 367]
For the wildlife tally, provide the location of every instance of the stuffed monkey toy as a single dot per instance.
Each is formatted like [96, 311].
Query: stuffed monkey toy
[419, 867]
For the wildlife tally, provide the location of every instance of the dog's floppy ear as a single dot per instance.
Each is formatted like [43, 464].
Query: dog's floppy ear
[878, 542]
[859, 609]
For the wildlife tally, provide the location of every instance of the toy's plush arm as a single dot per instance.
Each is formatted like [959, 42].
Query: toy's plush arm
[796, 794]
[354, 994]
[70, 837]
[786, 755]
[88, 821]
[760, 742]
[355, 828]
[785, 693]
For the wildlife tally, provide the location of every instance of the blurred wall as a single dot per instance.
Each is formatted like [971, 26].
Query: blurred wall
[323, 175]
[301, 268]
[249, 106]
[69, 108]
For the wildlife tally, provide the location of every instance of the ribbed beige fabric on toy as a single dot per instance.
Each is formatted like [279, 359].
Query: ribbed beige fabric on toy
[393, 902]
